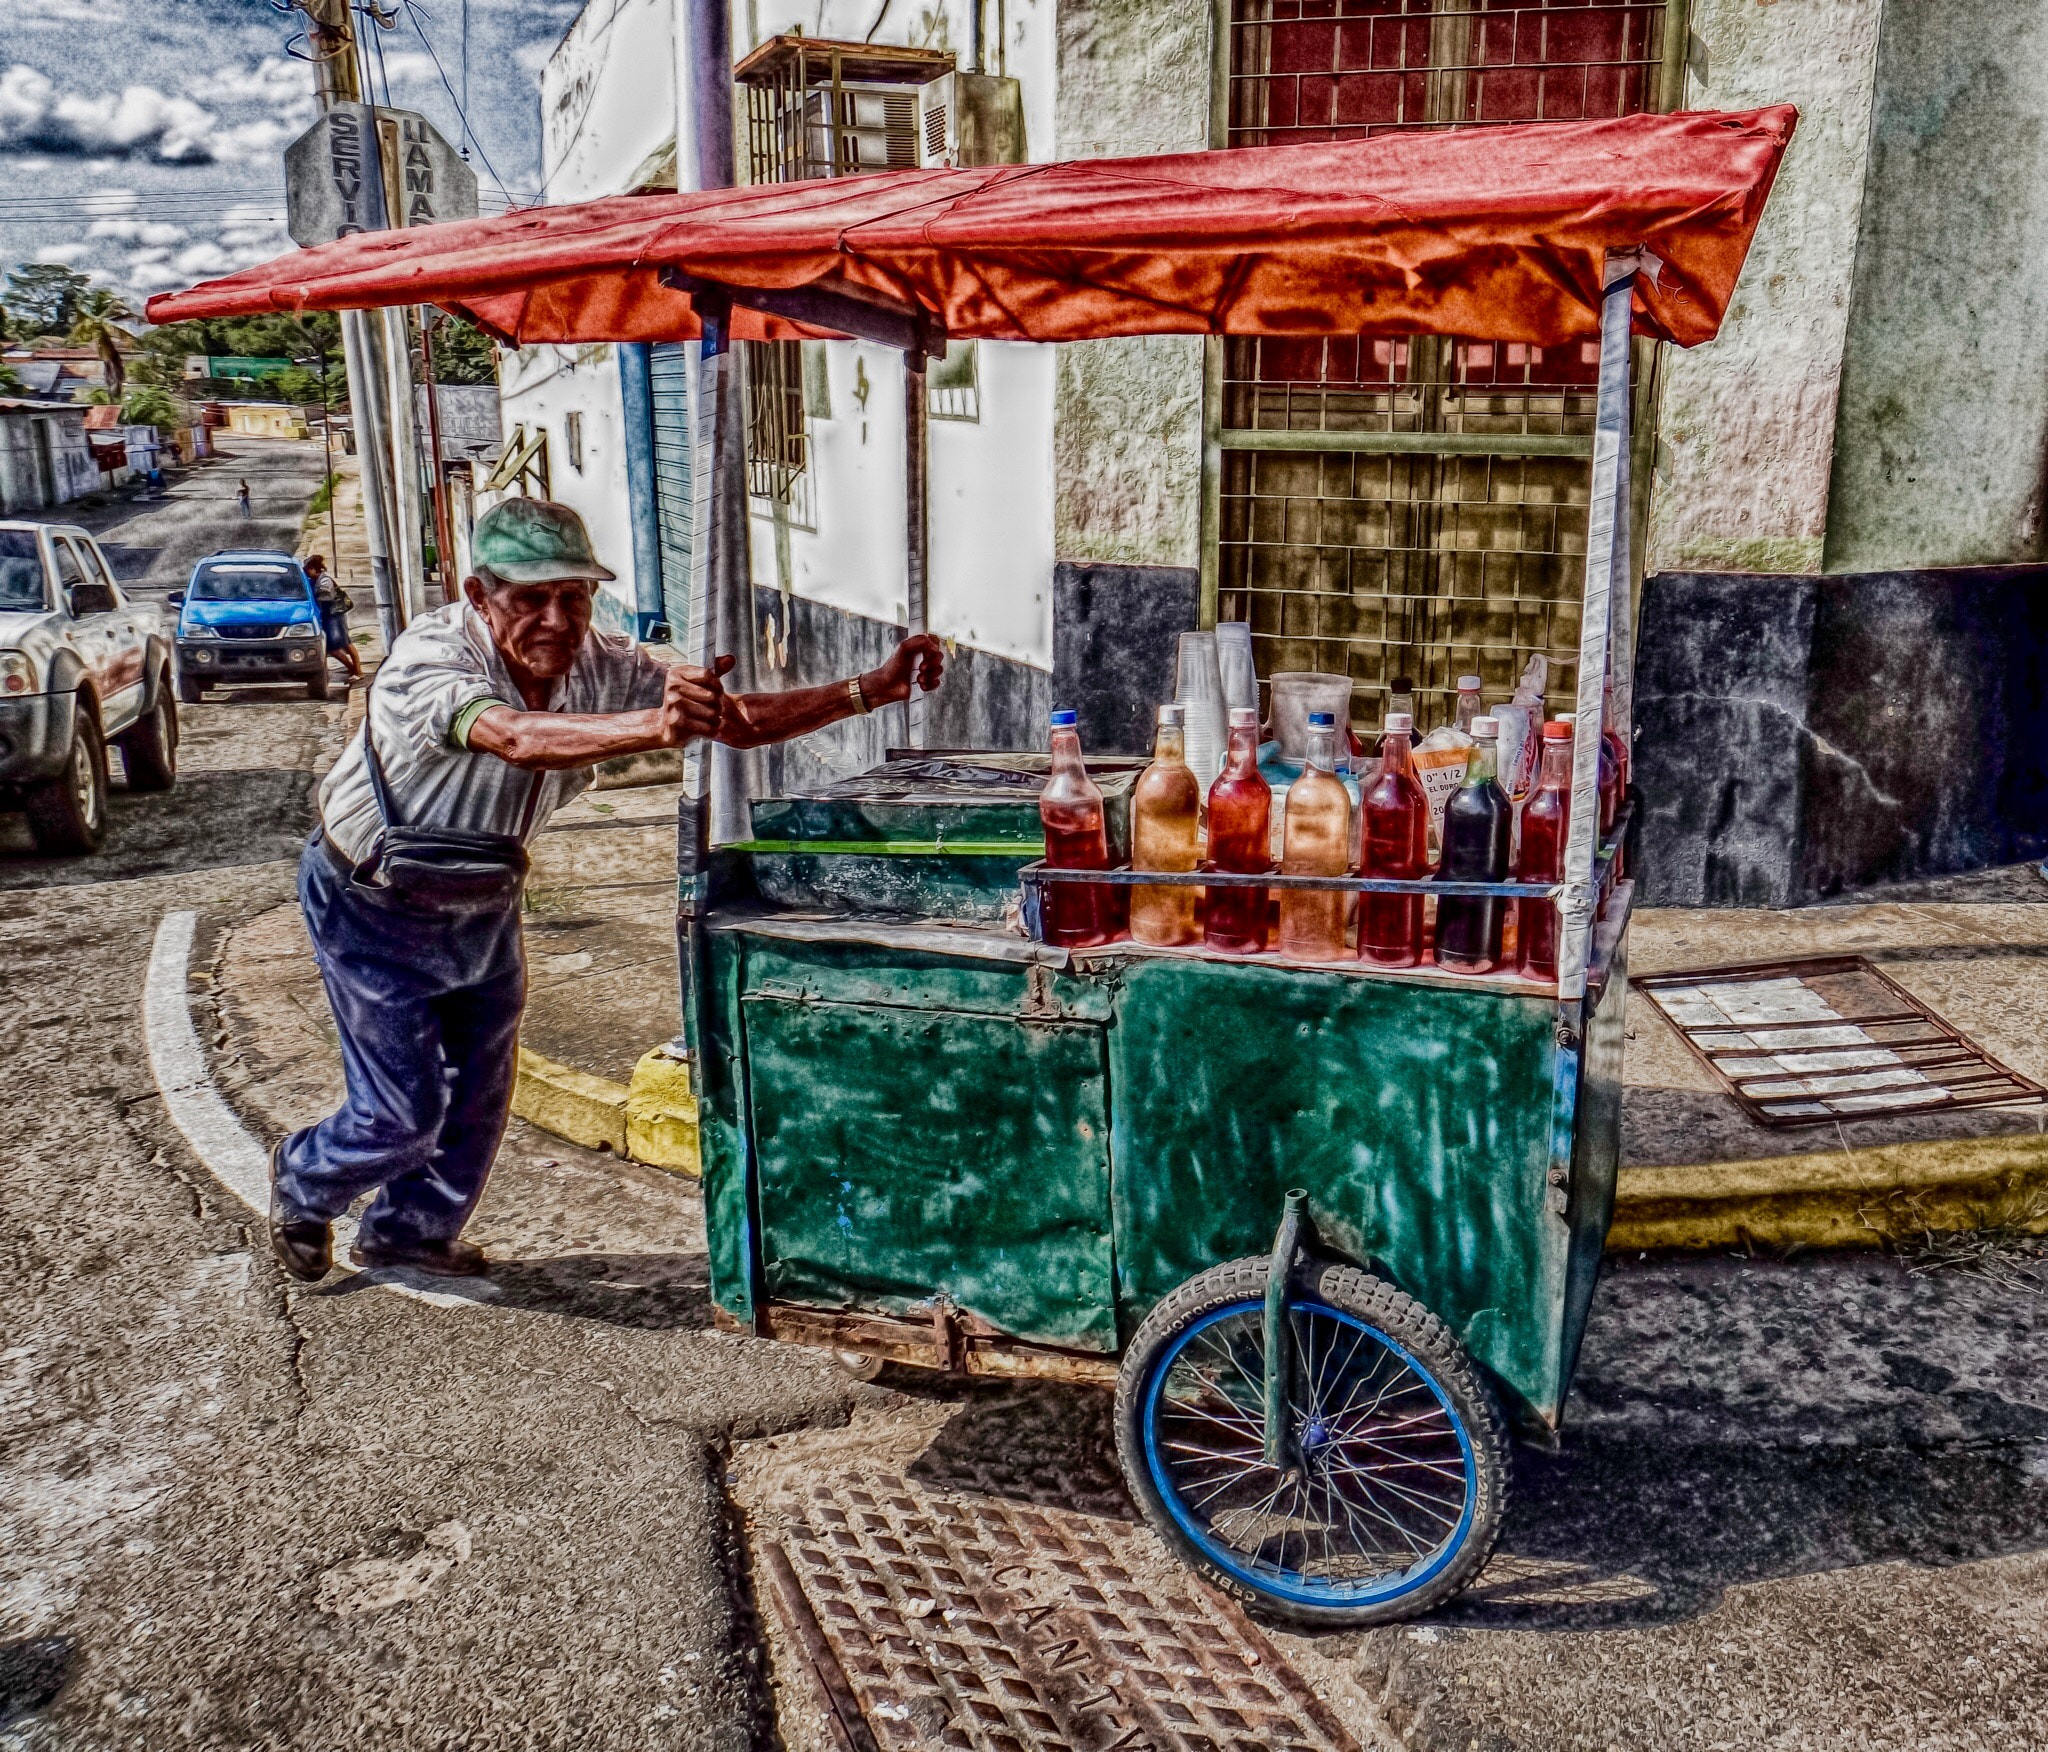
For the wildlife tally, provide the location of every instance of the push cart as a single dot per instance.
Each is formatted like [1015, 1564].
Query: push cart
[1330, 1232]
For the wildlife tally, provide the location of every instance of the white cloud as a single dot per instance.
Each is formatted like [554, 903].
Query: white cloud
[155, 276]
[276, 81]
[50, 14]
[67, 254]
[138, 231]
[202, 260]
[411, 67]
[534, 56]
[139, 122]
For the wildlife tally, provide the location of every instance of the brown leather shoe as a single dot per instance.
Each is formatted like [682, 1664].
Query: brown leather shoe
[304, 1245]
[440, 1258]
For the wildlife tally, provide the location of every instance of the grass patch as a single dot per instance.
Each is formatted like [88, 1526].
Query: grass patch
[322, 498]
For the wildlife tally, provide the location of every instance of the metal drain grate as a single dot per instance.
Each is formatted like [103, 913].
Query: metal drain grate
[940, 1619]
[1809, 1042]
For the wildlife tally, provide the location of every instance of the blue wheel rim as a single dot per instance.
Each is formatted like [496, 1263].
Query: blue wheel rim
[1388, 1486]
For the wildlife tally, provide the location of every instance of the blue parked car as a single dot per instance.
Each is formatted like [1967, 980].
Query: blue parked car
[249, 616]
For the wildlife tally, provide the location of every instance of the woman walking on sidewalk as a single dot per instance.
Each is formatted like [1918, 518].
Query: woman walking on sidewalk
[334, 606]
[485, 718]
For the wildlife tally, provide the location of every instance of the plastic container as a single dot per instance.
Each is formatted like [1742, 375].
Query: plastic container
[1199, 687]
[1296, 694]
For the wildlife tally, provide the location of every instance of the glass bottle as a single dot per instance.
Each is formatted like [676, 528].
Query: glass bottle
[1077, 914]
[1468, 703]
[1240, 840]
[1393, 841]
[1316, 842]
[1477, 822]
[1166, 808]
[1401, 697]
[1546, 825]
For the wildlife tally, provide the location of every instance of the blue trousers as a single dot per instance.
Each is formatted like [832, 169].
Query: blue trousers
[427, 1005]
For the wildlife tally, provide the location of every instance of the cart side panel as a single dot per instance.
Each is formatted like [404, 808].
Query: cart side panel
[722, 1133]
[906, 1153]
[1596, 1155]
[1417, 1118]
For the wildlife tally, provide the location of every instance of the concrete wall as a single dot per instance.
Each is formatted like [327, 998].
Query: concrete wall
[1133, 78]
[71, 466]
[1942, 433]
[1748, 420]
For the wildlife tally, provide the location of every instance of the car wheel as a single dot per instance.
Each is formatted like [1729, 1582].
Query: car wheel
[149, 752]
[316, 689]
[188, 690]
[68, 814]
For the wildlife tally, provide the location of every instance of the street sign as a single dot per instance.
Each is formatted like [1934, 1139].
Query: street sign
[360, 168]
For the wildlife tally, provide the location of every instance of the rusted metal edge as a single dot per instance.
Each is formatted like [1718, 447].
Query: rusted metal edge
[843, 1715]
[911, 1342]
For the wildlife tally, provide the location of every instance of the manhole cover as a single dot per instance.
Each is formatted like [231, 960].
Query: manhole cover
[1809, 1042]
[933, 1614]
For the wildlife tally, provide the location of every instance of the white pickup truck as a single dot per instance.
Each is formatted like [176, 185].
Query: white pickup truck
[81, 667]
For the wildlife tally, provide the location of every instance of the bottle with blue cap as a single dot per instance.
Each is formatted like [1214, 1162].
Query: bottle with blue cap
[1316, 841]
[1077, 914]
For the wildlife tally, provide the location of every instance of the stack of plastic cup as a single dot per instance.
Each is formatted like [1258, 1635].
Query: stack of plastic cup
[1200, 689]
[1234, 659]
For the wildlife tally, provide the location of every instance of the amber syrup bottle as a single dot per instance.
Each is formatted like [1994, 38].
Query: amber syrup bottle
[1393, 841]
[1166, 807]
[1240, 841]
[1316, 841]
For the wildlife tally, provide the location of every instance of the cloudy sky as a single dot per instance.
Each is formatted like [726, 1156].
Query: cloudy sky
[141, 140]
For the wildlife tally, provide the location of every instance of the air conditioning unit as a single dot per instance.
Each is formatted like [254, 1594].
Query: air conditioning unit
[970, 119]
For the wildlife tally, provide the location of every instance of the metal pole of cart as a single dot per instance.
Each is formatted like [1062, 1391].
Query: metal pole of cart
[917, 524]
[1603, 618]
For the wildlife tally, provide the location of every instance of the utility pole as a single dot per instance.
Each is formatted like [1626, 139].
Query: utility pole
[444, 522]
[338, 80]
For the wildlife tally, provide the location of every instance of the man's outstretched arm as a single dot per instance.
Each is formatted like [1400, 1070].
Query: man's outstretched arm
[755, 720]
[548, 741]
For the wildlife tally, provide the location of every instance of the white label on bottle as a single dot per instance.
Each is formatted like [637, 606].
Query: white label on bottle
[1442, 771]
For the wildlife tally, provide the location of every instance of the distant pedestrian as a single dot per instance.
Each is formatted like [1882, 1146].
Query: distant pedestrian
[334, 606]
[242, 500]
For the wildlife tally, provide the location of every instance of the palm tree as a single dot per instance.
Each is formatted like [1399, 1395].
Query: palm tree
[100, 315]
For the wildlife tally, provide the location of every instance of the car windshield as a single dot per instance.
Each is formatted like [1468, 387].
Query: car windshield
[21, 570]
[248, 581]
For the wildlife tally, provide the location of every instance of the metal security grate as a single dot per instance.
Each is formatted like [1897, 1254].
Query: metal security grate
[1811, 1042]
[1335, 69]
[1417, 565]
[940, 1618]
[1420, 384]
[778, 441]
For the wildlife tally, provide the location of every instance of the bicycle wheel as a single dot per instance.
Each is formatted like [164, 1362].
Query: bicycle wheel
[1397, 1495]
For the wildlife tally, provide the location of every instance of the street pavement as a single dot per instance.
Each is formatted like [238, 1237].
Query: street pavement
[1799, 1503]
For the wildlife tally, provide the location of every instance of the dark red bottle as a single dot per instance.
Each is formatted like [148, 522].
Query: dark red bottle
[1240, 840]
[1546, 825]
[1077, 914]
[1393, 841]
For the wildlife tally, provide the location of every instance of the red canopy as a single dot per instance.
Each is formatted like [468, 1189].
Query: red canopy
[1496, 233]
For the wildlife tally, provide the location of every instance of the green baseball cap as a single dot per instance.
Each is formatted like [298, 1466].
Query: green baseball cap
[533, 541]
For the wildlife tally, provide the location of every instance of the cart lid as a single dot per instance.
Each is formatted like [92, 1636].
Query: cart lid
[1497, 233]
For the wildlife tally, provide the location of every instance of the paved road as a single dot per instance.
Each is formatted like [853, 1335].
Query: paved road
[1801, 1504]
[152, 544]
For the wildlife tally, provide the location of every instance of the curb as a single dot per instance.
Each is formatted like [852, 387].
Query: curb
[1836, 1198]
[652, 1121]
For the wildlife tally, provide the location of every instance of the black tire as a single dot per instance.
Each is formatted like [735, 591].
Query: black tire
[1228, 1299]
[188, 690]
[68, 814]
[316, 689]
[149, 750]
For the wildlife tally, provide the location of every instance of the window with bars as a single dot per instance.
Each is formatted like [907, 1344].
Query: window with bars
[778, 445]
[1415, 507]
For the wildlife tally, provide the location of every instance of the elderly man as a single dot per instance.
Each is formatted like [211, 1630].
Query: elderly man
[486, 718]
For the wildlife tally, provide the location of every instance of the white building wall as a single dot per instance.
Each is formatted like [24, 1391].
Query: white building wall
[607, 101]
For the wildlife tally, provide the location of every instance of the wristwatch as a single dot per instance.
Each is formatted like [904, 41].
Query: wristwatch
[860, 700]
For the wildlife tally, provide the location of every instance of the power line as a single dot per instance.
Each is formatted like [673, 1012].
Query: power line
[417, 13]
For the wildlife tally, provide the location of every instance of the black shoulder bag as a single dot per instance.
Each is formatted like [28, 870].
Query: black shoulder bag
[444, 868]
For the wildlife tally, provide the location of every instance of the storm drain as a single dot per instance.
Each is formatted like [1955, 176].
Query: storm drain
[1809, 1042]
[936, 1616]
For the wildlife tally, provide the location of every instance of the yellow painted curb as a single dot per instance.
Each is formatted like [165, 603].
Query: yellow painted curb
[661, 1114]
[1836, 1198]
[572, 1104]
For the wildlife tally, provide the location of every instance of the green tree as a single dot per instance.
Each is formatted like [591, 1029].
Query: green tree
[463, 353]
[98, 326]
[44, 297]
[9, 378]
[150, 406]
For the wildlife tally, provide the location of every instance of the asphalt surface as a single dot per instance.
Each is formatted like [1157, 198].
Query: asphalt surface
[1800, 1504]
[153, 543]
